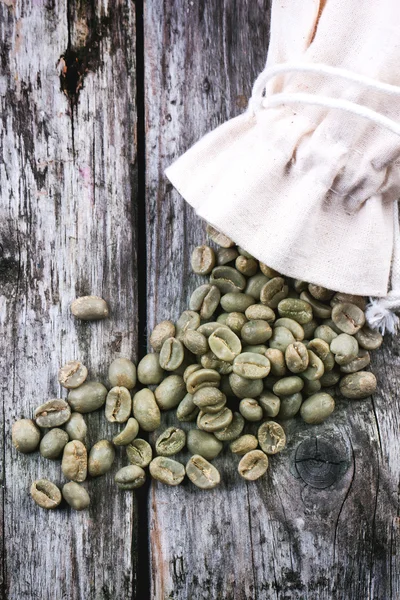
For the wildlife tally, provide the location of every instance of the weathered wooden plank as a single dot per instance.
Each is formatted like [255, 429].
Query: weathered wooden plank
[324, 523]
[68, 181]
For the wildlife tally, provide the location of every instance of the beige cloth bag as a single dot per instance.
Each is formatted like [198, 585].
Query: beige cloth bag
[307, 179]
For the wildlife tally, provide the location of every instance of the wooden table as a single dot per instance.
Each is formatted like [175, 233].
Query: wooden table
[97, 98]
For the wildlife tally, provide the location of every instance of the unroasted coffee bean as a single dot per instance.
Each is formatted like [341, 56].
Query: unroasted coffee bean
[225, 344]
[250, 409]
[296, 309]
[271, 437]
[149, 370]
[259, 311]
[74, 461]
[187, 411]
[281, 338]
[296, 357]
[277, 361]
[245, 388]
[219, 238]
[76, 427]
[202, 378]
[139, 453]
[72, 374]
[189, 370]
[330, 378]
[214, 421]
[101, 458]
[288, 385]
[317, 408]
[25, 436]
[227, 280]
[189, 319]
[90, 308]
[341, 298]
[202, 473]
[253, 465]
[246, 443]
[324, 332]
[322, 350]
[167, 470]
[226, 255]
[251, 365]
[312, 387]
[45, 493]
[256, 332]
[52, 413]
[207, 397]
[170, 392]
[369, 339]
[88, 397]
[172, 354]
[255, 284]
[320, 293]
[268, 271]
[270, 403]
[203, 260]
[53, 443]
[146, 410]
[195, 342]
[160, 333]
[319, 309]
[361, 361]
[128, 434]
[358, 385]
[236, 302]
[130, 477]
[273, 292]
[257, 349]
[122, 372]
[290, 406]
[203, 443]
[349, 318]
[205, 299]
[300, 285]
[315, 368]
[75, 495]
[293, 326]
[231, 431]
[118, 405]
[235, 321]
[309, 329]
[171, 441]
[246, 265]
[345, 348]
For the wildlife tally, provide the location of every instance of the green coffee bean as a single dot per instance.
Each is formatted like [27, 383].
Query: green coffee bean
[245, 388]
[246, 266]
[288, 385]
[244, 444]
[235, 321]
[75, 495]
[88, 397]
[300, 285]
[187, 411]
[273, 292]
[236, 302]
[297, 310]
[317, 408]
[160, 333]
[320, 293]
[203, 443]
[222, 318]
[225, 344]
[271, 273]
[358, 364]
[253, 465]
[226, 387]
[251, 365]
[250, 410]
[128, 434]
[203, 260]
[202, 378]
[170, 392]
[76, 427]
[256, 332]
[315, 368]
[189, 319]
[209, 396]
[296, 357]
[330, 378]
[90, 308]
[122, 372]
[290, 406]
[139, 452]
[170, 442]
[271, 437]
[195, 342]
[323, 332]
[227, 279]
[281, 338]
[172, 354]
[219, 238]
[358, 385]
[52, 413]
[319, 309]
[130, 477]
[349, 318]
[208, 328]
[210, 361]
[202, 473]
[309, 329]
[118, 405]
[53, 443]
[146, 410]
[345, 348]
[189, 370]
[269, 403]
[205, 299]
[101, 458]
[255, 284]
[312, 387]
[25, 436]
[296, 329]
[167, 470]
[258, 349]
[72, 374]
[45, 493]
[214, 421]
[322, 350]
[226, 255]
[277, 361]
[74, 461]
[341, 298]
[332, 325]
[149, 370]
[257, 312]
[369, 339]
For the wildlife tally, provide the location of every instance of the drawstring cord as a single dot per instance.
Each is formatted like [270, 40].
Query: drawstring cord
[380, 312]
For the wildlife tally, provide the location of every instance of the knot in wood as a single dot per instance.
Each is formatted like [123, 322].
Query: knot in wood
[318, 462]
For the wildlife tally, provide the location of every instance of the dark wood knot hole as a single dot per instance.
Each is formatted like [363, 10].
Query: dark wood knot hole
[318, 462]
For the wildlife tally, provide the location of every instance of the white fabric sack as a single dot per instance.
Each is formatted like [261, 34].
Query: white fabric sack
[311, 189]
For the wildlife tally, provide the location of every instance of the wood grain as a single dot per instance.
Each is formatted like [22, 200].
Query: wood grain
[67, 228]
[287, 536]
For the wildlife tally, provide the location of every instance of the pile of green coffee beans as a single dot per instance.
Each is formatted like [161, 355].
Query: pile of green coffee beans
[254, 346]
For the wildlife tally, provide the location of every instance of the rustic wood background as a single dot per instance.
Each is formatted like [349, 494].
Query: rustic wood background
[97, 98]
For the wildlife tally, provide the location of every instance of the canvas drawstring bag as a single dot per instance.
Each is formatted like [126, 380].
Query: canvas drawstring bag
[308, 178]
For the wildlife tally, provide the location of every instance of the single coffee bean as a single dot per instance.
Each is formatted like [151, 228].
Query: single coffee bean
[281, 338]
[76, 427]
[149, 370]
[203, 260]
[358, 385]
[253, 465]
[309, 329]
[251, 365]
[219, 238]
[246, 266]
[255, 284]
[101, 458]
[345, 348]
[45, 493]
[75, 495]
[288, 385]
[290, 406]
[245, 388]
[349, 318]
[273, 292]
[341, 298]
[315, 368]
[298, 310]
[369, 339]
[52, 413]
[172, 354]
[170, 442]
[88, 397]
[269, 403]
[235, 321]
[130, 477]
[160, 333]
[293, 326]
[236, 302]
[189, 319]
[322, 350]
[296, 357]
[271, 273]
[72, 374]
[202, 378]
[231, 431]
[311, 387]
[323, 332]
[203, 443]
[202, 473]
[208, 328]
[244, 444]
[122, 372]
[330, 378]
[226, 255]
[209, 396]
[128, 434]
[189, 370]
[167, 470]
[317, 408]
[257, 312]
[53, 443]
[320, 293]
[299, 285]
[250, 409]
[170, 392]
[225, 344]
[277, 361]
[205, 299]
[90, 308]
[271, 437]
[361, 361]
[187, 411]
[146, 410]
[244, 252]
[256, 332]
[214, 421]
[139, 452]
[227, 279]
[319, 309]
[25, 436]
[118, 405]
[74, 461]
[195, 342]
